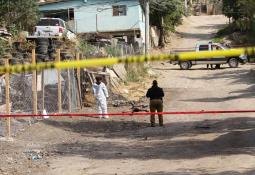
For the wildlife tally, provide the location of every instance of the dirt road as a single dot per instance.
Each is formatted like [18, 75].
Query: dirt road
[195, 29]
[187, 145]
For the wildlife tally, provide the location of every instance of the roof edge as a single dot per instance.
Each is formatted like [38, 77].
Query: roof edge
[51, 2]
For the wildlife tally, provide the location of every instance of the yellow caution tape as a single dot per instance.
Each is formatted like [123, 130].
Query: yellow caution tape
[97, 62]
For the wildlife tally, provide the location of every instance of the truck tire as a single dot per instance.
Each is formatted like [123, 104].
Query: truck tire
[42, 49]
[42, 41]
[41, 57]
[233, 62]
[185, 65]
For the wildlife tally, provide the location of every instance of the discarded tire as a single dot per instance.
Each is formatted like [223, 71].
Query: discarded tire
[13, 61]
[42, 50]
[42, 57]
[42, 41]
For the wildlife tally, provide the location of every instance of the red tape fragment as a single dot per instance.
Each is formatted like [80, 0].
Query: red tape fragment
[127, 113]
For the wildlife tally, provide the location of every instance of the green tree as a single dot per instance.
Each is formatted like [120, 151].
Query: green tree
[232, 9]
[248, 9]
[166, 14]
[242, 12]
[21, 14]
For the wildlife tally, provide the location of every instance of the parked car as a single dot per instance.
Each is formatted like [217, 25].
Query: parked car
[233, 62]
[53, 27]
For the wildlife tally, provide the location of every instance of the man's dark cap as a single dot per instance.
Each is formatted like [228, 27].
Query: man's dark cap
[154, 82]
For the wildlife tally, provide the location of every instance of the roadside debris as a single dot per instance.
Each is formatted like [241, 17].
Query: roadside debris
[118, 103]
[45, 114]
[136, 106]
[139, 107]
[4, 33]
[34, 154]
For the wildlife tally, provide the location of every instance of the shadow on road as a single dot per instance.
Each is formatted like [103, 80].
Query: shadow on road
[238, 76]
[212, 26]
[186, 35]
[176, 141]
[188, 172]
[109, 128]
[192, 69]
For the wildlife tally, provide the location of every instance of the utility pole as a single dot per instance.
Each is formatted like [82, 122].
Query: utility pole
[147, 27]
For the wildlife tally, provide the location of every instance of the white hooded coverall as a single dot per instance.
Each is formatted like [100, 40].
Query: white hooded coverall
[101, 93]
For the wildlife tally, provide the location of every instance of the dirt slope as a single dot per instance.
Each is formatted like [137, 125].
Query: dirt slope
[187, 145]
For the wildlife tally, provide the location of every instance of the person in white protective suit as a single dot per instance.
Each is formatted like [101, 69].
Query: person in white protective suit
[101, 94]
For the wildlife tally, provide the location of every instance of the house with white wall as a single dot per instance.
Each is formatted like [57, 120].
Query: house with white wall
[113, 17]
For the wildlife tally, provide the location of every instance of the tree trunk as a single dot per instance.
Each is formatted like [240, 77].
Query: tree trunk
[161, 42]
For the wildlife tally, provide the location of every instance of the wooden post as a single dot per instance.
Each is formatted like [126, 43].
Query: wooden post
[34, 84]
[68, 14]
[96, 22]
[79, 79]
[43, 91]
[59, 85]
[7, 100]
[69, 91]
[122, 54]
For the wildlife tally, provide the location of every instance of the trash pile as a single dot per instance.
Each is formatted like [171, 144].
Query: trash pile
[34, 154]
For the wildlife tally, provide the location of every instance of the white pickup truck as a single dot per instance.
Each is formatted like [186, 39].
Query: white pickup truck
[53, 27]
[47, 35]
[233, 62]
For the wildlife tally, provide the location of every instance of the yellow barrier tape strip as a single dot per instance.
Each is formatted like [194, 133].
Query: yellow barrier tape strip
[97, 62]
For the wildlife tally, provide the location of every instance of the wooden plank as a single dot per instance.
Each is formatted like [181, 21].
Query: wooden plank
[7, 100]
[59, 84]
[90, 78]
[99, 73]
[69, 91]
[79, 80]
[34, 85]
[120, 70]
[43, 91]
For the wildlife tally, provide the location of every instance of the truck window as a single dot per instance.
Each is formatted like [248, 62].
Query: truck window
[215, 47]
[203, 48]
[62, 24]
[48, 22]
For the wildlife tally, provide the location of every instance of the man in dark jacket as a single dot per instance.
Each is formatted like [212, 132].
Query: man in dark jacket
[156, 95]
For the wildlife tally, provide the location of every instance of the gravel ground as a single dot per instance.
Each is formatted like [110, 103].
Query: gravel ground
[187, 145]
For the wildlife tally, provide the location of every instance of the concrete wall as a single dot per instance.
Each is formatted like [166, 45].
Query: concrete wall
[98, 17]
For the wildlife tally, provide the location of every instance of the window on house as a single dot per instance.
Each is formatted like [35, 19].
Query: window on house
[119, 10]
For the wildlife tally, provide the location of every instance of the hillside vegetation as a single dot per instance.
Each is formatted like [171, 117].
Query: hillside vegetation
[242, 22]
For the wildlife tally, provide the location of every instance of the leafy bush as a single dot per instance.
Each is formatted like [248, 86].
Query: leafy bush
[217, 40]
[136, 72]
[113, 51]
[13, 30]
[3, 47]
[241, 12]
[227, 30]
[86, 49]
